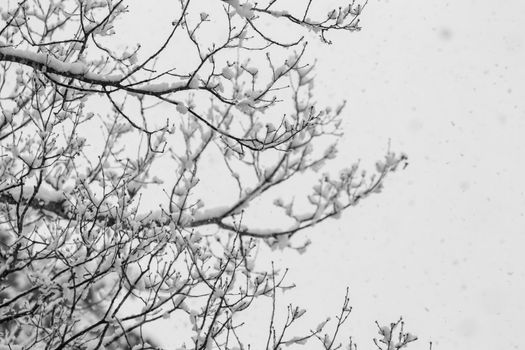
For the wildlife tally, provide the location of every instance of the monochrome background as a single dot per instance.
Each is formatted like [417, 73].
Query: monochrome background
[442, 245]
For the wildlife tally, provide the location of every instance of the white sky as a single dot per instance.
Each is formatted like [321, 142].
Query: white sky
[442, 245]
[444, 81]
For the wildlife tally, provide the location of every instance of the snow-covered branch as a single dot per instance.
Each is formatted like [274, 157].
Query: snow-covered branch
[111, 152]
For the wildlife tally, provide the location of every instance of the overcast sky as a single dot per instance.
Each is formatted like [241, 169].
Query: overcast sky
[443, 244]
